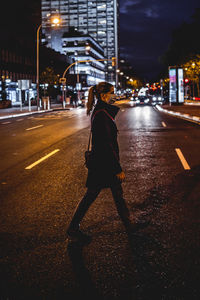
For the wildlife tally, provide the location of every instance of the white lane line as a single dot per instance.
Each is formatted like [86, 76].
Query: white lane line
[19, 120]
[34, 127]
[42, 159]
[182, 159]
[4, 123]
[163, 124]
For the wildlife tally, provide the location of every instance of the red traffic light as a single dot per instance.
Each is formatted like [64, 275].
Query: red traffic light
[186, 80]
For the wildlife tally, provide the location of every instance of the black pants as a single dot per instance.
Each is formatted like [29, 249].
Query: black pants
[89, 198]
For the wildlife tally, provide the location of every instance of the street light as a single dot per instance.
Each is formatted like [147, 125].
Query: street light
[87, 48]
[55, 21]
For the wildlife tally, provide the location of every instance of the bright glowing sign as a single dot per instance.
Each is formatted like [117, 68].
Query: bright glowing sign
[180, 86]
[172, 85]
[176, 85]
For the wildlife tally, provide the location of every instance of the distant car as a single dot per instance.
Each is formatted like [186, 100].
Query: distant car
[156, 99]
[142, 100]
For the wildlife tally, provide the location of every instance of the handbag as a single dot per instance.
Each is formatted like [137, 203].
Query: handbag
[88, 153]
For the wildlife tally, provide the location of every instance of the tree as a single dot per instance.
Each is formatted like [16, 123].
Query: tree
[49, 79]
[135, 83]
[192, 71]
[185, 43]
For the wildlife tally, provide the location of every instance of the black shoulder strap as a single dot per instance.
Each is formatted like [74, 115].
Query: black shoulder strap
[103, 111]
[89, 142]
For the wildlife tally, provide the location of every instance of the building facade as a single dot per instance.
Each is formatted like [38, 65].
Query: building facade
[83, 48]
[97, 18]
[16, 66]
[18, 70]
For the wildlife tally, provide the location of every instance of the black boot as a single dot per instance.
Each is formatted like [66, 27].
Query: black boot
[73, 231]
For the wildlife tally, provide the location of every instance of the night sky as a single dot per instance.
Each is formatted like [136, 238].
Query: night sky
[146, 27]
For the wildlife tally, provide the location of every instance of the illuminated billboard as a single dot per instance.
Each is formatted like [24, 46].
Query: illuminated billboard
[180, 86]
[176, 85]
[172, 85]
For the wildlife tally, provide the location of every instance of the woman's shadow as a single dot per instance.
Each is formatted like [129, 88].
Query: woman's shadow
[87, 286]
[153, 277]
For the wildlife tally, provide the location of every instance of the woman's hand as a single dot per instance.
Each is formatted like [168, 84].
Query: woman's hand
[121, 176]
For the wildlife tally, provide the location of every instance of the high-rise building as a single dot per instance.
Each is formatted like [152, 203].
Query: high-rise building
[98, 18]
[83, 48]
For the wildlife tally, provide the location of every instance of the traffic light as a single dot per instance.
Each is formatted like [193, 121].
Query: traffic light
[62, 80]
[186, 80]
[113, 61]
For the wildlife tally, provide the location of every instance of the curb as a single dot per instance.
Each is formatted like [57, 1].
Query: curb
[186, 117]
[192, 103]
[31, 113]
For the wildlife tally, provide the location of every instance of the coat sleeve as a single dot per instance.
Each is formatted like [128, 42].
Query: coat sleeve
[103, 143]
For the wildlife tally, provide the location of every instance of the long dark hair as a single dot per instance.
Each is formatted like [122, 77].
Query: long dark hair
[95, 92]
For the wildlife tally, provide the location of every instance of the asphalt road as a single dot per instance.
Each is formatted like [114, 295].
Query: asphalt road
[42, 178]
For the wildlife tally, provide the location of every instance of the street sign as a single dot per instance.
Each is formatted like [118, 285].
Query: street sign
[62, 80]
[24, 84]
[78, 86]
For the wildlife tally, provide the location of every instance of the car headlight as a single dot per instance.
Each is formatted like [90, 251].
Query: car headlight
[154, 98]
[146, 101]
[137, 101]
[159, 98]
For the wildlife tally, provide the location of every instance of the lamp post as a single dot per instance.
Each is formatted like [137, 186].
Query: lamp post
[193, 67]
[55, 21]
[37, 76]
[63, 79]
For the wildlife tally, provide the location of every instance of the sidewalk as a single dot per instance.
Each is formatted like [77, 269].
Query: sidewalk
[17, 112]
[188, 111]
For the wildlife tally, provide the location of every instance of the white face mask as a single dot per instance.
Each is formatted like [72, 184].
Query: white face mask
[112, 99]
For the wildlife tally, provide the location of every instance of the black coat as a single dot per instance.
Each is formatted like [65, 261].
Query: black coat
[105, 150]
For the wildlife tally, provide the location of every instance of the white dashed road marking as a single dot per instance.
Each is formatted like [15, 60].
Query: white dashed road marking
[42, 159]
[4, 123]
[19, 120]
[182, 159]
[34, 127]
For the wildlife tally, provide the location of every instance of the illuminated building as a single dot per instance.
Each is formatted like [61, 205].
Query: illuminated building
[18, 63]
[81, 48]
[99, 19]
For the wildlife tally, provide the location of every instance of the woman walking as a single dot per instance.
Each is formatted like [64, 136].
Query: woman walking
[105, 170]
